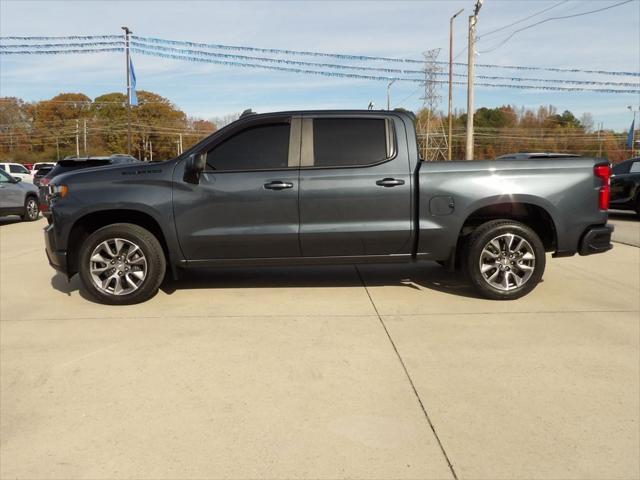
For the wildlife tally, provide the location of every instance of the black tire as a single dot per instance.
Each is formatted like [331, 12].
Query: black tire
[31, 209]
[638, 206]
[480, 238]
[153, 254]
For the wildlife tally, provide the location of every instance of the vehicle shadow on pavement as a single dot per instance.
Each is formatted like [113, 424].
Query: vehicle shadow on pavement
[9, 220]
[624, 215]
[424, 276]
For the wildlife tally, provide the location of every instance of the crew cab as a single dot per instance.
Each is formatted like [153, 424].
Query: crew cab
[323, 187]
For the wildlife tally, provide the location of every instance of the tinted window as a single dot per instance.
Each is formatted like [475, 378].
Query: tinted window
[621, 168]
[340, 142]
[17, 169]
[256, 148]
[2, 167]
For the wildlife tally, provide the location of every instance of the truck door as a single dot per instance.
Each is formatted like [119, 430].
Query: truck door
[355, 186]
[246, 202]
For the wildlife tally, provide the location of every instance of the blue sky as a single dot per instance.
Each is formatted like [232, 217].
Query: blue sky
[608, 40]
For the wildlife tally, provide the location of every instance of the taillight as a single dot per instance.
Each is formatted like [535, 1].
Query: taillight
[603, 172]
[45, 181]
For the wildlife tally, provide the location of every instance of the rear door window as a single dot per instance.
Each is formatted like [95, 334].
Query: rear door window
[345, 142]
[635, 167]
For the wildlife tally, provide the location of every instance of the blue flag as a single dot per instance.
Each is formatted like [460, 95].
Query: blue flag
[132, 72]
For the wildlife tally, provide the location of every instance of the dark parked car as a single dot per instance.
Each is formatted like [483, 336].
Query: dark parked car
[40, 174]
[18, 197]
[71, 164]
[625, 185]
[323, 187]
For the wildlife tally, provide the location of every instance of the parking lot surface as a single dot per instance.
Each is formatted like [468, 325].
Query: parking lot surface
[325, 372]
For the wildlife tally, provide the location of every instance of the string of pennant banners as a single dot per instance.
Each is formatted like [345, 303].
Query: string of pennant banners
[163, 48]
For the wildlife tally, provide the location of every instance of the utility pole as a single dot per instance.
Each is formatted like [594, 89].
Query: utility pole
[451, 78]
[150, 151]
[599, 141]
[85, 137]
[77, 138]
[181, 144]
[389, 94]
[128, 32]
[473, 20]
[57, 149]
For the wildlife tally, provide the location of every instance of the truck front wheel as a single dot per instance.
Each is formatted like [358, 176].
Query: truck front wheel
[504, 259]
[122, 264]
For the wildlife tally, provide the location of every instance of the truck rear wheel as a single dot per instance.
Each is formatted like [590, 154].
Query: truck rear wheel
[504, 259]
[121, 264]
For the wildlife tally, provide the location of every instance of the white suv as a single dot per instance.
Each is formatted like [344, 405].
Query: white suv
[17, 170]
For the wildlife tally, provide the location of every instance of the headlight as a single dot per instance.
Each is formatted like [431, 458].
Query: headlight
[58, 191]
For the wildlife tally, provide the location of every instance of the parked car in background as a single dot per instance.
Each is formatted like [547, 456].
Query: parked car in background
[625, 185]
[40, 174]
[70, 164]
[17, 170]
[37, 166]
[533, 156]
[18, 197]
[323, 187]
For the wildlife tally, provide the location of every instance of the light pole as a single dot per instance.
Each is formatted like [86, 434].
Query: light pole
[473, 20]
[451, 75]
[389, 93]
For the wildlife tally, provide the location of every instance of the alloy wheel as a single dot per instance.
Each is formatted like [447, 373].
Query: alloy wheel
[507, 262]
[118, 266]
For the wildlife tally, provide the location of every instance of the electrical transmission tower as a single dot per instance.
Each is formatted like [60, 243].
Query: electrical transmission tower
[433, 141]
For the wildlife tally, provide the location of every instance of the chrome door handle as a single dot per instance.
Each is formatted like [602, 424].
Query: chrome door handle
[278, 185]
[389, 182]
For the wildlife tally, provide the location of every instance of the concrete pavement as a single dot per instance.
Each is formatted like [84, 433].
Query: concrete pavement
[327, 372]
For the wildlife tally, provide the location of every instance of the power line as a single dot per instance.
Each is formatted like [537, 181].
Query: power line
[514, 23]
[522, 19]
[554, 18]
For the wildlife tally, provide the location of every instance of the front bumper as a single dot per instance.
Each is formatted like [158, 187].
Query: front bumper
[57, 258]
[596, 240]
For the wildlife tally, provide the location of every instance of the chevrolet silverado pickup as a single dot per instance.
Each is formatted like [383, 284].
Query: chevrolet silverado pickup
[323, 187]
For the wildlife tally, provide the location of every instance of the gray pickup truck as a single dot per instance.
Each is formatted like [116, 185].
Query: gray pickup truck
[323, 187]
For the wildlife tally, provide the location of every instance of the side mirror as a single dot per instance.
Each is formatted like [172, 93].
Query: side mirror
[17, 179]
[194, 166]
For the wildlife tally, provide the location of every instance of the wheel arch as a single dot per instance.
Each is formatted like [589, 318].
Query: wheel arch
[533, 215]
[89, 223]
